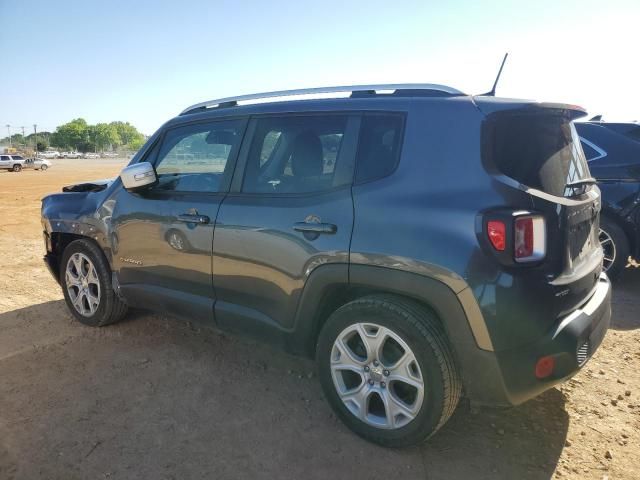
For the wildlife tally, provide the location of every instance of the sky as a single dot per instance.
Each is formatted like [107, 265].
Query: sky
[145, 61]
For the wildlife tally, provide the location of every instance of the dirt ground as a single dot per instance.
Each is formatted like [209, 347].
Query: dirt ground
[158, 398]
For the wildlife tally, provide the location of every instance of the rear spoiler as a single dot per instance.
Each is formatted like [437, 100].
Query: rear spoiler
[489, 106]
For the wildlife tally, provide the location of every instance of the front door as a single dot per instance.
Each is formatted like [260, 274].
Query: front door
[162, 238]
[289, 212]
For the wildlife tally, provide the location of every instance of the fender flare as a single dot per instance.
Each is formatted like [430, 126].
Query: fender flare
[458, 312]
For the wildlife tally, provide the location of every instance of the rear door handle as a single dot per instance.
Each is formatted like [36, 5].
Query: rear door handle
[193, 218]
[329, 228]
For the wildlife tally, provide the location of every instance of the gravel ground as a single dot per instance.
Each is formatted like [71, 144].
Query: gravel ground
[159, 398]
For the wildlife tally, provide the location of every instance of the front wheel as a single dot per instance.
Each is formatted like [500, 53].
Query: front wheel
[43, 167]
[387, 370]
[85, 277]
[17, 168]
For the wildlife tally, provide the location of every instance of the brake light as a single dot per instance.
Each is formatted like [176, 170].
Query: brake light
[529, 238]
[497, 234]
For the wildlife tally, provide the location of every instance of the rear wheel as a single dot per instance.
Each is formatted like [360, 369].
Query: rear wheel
[86, 283]
[615, 247]
[387, 370]
[17, 168]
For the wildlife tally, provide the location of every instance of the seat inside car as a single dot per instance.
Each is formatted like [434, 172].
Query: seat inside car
[306, 162]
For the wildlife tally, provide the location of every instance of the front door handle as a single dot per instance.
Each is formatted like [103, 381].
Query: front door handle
[309, 227]
[193, 218]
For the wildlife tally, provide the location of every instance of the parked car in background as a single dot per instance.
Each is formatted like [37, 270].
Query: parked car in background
[110, 154]
[49, 154]
[71, 155]
[91, 155]
[390, 235]
[613, 153]
[15, 163]
[37, 163]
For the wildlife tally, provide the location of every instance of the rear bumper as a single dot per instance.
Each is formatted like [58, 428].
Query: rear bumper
[572, 341]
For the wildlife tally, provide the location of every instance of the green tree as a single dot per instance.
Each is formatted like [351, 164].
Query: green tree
[126, 132]
[106, 135]
[71, 135]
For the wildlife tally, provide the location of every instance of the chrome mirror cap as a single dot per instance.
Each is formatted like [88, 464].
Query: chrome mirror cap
[137, 176]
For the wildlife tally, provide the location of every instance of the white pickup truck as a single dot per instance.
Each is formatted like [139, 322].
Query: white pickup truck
[11, 162]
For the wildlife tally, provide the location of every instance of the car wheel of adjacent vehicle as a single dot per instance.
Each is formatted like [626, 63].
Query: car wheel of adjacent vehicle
[85, 277]
[17, 168]
[387, 370]
[615, 247]
[43, 167]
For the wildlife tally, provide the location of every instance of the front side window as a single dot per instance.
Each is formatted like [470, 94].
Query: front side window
[294, 154]
[194, 158]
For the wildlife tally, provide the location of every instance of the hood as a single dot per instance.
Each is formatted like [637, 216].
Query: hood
[90, 186]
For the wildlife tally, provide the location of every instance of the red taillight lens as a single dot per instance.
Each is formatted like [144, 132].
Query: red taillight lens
[497, 234]
[545, 366]
[523, 237]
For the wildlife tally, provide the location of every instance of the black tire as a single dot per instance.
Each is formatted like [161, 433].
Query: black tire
[17, 168]
[43, 168]
[419, 329]
[620, 244]
[111, 308]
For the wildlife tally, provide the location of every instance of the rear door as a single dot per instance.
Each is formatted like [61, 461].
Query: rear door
[162, 238]
[289, 213]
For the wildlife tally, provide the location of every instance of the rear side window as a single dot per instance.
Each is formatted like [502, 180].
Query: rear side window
[4, 157]
[295, 154]
[379, 146]
[540, 150]
[589, 152]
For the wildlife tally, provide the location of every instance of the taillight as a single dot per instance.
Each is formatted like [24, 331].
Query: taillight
[529, 238]
[497, 234]
[517, 236]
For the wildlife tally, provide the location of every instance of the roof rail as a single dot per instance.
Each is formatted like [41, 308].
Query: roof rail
[395, 87]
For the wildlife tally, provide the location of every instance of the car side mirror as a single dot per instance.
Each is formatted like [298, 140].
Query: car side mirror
[138, 176]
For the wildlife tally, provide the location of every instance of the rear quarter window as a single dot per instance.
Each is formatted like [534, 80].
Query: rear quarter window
[379, 146]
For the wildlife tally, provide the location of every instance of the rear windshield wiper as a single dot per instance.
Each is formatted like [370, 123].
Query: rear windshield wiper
[580, 183]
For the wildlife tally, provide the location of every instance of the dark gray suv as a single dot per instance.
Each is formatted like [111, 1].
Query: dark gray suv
[416, 241]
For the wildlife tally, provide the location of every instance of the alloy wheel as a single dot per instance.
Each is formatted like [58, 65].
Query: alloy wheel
[608, 248]
[82, 284]
[377, 376]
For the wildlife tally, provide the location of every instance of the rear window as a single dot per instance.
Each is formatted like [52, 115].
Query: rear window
[539, 150]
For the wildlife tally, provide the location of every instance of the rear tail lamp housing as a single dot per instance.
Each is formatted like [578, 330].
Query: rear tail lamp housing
[515, 237]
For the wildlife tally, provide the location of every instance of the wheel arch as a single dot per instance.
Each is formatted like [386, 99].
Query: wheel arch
[327, 289]
[58, 243]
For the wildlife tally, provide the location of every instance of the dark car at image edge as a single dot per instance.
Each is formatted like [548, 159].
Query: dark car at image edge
[613, 153]
[416, 241]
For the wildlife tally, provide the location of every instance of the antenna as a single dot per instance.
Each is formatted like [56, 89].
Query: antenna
[492, 92]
